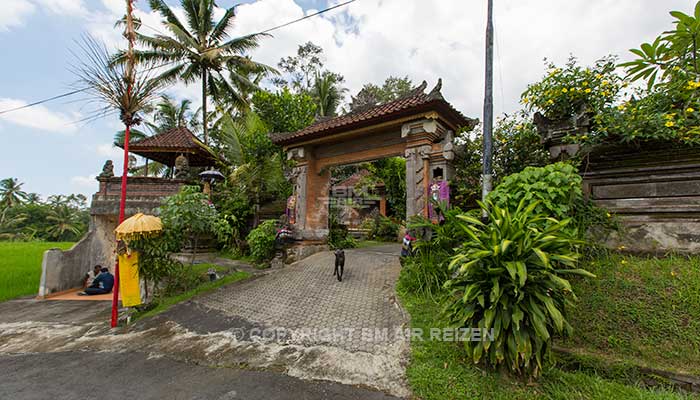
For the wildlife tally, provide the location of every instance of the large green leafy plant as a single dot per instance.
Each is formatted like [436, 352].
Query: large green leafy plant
[555, 187]
[509, 280]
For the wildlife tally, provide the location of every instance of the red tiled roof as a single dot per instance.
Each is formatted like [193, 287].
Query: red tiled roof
[416, 101]
[179, 138]
[164, 147]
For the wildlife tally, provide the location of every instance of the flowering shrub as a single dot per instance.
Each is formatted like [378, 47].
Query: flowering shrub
[564, 92]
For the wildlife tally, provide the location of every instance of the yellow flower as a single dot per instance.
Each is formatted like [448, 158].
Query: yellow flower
[605, 82]
[669, 124]
[608, 215]
[585, 83]
[623, 262]
[621, 107]
[673, 273]
[621, 247]
[598, 76]
[588, 90]
[564, 90]
[584, 137]
[526, 100]
[689, 110]
[550, 101]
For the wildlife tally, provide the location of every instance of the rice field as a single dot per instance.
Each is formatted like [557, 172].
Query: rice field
[20, 267]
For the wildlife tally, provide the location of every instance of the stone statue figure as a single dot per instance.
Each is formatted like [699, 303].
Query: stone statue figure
[107, 170]
[182, 167]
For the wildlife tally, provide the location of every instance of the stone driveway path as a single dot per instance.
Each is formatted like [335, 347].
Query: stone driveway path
[306, 302]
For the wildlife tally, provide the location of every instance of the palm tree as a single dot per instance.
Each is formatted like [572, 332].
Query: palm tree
[11, 193]
[199, 50]
[9, 225]
[328, 93]
[33, 198]
[65, 221]
[253, 175]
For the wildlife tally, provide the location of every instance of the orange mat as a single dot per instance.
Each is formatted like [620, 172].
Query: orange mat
[73, 295]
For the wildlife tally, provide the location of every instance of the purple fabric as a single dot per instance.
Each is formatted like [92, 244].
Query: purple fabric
[440, 192]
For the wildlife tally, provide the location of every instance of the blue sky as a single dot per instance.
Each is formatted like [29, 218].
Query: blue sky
[366, 42]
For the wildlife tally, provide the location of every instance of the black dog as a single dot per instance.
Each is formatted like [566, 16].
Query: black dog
[339, 264]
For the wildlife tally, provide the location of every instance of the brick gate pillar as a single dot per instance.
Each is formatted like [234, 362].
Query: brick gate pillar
[429, 154]
[311, 194]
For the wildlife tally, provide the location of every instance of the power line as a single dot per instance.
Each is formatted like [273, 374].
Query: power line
[36, 103]
[305, 17]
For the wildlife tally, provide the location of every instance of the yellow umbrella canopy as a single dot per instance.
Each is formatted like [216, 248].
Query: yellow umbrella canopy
[138, 226]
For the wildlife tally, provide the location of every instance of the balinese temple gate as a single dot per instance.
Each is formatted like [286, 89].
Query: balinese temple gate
[419, 127]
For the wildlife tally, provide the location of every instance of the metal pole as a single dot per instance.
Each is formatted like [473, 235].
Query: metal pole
[125, 171]
[487, 174]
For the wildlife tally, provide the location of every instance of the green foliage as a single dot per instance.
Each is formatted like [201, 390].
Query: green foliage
[517, 145]
[556, 188]
[60, 218]
[338, 236]
[285, 111]
[381, 228]
[155, 263]
[565, 92]
[509, 279]
[261, 241]
[180, 279]
[427, 270]
[392, 172]
[671, 56]
[189, 214]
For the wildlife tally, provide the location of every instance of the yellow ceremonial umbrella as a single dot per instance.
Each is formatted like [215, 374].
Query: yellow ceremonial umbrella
[138, 226]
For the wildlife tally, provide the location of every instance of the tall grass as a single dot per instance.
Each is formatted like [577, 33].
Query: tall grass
[20, 267]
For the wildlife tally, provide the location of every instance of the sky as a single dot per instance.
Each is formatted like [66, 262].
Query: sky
[51, 151]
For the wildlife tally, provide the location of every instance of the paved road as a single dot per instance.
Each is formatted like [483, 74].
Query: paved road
[119, 376]
[49, 348]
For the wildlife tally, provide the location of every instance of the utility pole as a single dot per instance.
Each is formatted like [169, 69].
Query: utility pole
[130, 36]
[487, 174]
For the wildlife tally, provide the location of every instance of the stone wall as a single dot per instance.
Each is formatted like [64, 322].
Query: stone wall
[64, 270]
[654, 191]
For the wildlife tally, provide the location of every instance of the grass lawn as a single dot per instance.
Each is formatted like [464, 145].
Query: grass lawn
[370, 243]
[20, 267]
[644, 311]
[232, 255]
[438, 370]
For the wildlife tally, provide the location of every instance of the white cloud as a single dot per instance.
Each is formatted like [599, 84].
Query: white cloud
[84, 181]
[367, 41]
[13, 12]
[109, 151]
[38, 117]
[64, 7]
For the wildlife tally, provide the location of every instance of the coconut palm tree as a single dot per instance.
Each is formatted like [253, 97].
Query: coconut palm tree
[200, 50]
[65, 221]
[11, 193]
[328, 92]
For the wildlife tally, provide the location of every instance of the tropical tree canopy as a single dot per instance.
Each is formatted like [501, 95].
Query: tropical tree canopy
[200, 49]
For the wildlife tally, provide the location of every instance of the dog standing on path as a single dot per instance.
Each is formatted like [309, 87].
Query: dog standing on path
[339, 264]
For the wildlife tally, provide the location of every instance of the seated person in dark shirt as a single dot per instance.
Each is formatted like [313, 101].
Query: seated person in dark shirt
[103, 284]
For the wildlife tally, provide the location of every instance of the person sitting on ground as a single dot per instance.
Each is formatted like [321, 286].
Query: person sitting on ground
[103, 284]
[91, 275]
